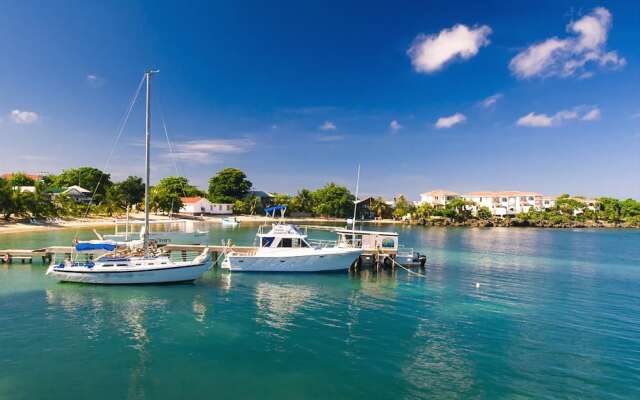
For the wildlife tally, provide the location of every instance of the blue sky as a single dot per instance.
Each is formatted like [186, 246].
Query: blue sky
[298, 93]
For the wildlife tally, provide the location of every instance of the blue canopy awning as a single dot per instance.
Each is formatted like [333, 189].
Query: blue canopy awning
[272, 209]
[87, 246]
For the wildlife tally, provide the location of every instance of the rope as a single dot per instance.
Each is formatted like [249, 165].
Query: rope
[123, 123]
[171, 150]
[407, 269]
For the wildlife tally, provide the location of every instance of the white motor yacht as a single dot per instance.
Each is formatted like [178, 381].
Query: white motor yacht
[284, 248]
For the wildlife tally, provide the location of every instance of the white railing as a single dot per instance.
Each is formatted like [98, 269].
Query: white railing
[405, 251]
[321, 243]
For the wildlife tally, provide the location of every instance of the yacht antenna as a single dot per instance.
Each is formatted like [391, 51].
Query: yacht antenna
[355, 202]
[147, 160]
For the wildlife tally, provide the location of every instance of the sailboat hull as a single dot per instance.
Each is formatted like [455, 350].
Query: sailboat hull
[129, 277]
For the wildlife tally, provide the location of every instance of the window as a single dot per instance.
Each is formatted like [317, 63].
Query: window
[266, 241]
[286, 242]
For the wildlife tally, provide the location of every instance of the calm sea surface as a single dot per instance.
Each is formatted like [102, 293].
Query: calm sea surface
[556, 315]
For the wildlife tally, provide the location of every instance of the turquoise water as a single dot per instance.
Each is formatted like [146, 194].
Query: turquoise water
[556, 315]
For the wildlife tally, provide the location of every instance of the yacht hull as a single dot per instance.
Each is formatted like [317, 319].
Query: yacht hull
[129, 277]
[325, 262]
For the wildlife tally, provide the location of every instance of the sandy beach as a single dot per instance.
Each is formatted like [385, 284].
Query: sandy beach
[138, 218]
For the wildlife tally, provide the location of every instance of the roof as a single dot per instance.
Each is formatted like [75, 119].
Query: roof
[440, 192]
[76, 188]
[260, 193]
[190, 200]
[9, 175]
[480, 194]
[499, 194]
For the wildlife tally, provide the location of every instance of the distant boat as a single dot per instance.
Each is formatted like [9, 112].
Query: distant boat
[123, 265]
[230, 221]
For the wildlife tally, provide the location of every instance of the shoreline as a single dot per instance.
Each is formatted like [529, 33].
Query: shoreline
[137, 219]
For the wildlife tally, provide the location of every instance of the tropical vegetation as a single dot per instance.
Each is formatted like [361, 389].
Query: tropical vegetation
[21, 197]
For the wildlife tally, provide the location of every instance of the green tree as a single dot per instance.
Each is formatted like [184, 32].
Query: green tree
[333, 201]
[303, 201]
[283, 200]
[229, 185]
[5, 198]
[424, 211]
[610, 209]
[569, 206]
[131, 190]
[115, 202]
[89, 178]
[179, 186]
[459, 209]
[21, 179]
[164, 200]
[380, 208]
[484, 213]
[403, 207]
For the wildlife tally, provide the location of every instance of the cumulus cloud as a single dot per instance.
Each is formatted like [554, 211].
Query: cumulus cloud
[584, 113]
[23, 117]
[592, 115]
[575, 55]
[327, 126]
[491, 100]
[395, 126]
[430, 53]
[448, 122]
[330, 138]
[209, 151]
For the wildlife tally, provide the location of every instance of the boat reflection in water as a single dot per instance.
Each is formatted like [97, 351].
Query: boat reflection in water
[278, 304]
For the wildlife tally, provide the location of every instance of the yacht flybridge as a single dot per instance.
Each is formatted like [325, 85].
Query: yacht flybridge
[122, 264]
[285, 248]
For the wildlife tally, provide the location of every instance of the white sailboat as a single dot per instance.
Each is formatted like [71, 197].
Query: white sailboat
[128, 267]
[284, 248]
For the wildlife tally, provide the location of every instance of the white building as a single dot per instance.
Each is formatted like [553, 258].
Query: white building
[506, 203]
[78, 193]
[200, 205]
[437, 197]
[548, 202]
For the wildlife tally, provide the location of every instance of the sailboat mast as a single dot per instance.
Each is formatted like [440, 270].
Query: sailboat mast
[355, 203]
[147, 161]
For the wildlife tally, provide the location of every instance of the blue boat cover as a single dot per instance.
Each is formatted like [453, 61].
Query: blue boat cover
[86, 246]
[275, 208]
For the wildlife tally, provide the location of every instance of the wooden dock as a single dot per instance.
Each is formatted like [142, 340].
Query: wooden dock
[377, 258]
[45, 255]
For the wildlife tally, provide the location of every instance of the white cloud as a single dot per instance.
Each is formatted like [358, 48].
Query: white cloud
[584, 113]
[395, 126]
[535, 120]
[327, 126]
[491, 100]
[330, 138]
[23, 117]
[592, 115]
[429, 53]
[448, 122]
[94, 80]
[571, 56]
[208, 151]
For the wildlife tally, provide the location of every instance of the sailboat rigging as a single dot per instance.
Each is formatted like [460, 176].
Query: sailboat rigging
[122, 264]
